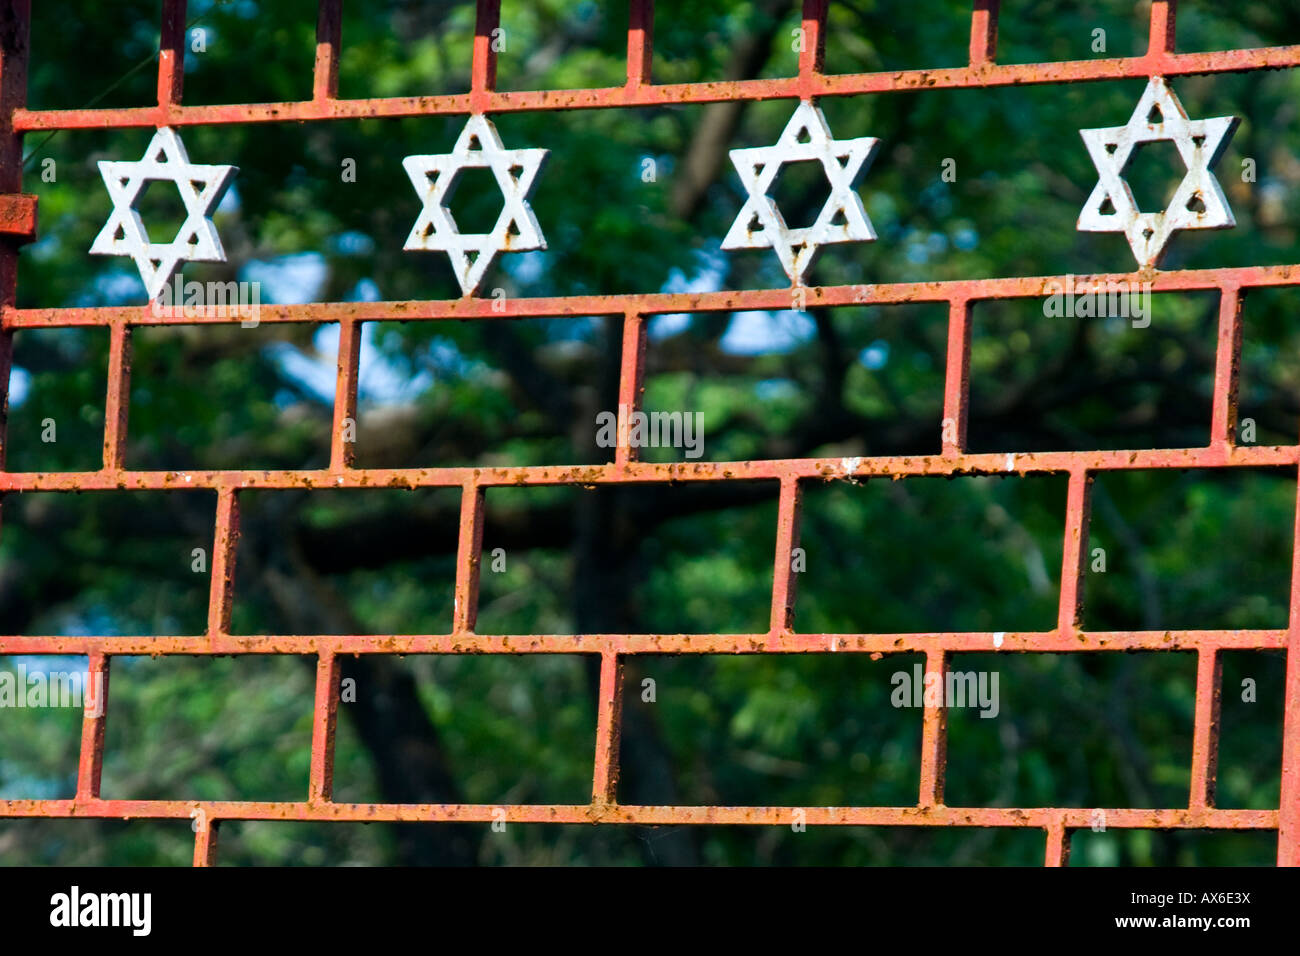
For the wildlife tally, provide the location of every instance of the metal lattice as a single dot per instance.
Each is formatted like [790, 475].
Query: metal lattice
[17, 222]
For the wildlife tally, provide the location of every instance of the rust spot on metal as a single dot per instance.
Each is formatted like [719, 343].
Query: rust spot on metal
[18, 217]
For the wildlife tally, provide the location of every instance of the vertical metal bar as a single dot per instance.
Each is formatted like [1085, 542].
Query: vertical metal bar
[609, 712]
[1205, 731]
[90, 764]
[787, 539]
[1227, 365]
[812, 51]
[320, 787]
[329, 37]
[344, 433]
[934, 729]
[1058, 844]
[1163, 15]
[631, 383]
[1074, 553]
[118, 402]
[171, 54]
[14, 48]
[1288, 831]
[984, 32]
[469, 559]
[640, 41]
[221, 589]
[483, 68]
[205, 840]
[13, 95]
[956, 386]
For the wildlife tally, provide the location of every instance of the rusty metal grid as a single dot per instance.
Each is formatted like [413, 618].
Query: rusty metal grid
[17, 223]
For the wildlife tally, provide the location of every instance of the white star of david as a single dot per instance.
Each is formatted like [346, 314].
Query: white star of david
[435, 179]
[201, 189]
[1198, 203]
[760, 225]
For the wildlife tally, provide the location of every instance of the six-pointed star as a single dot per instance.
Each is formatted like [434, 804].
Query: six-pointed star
[760, 225]
[435, 179]
[201, 189]
[1198, 203]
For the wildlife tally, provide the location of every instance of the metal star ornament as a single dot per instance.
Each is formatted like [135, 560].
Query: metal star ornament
[1197, 203]
[760, 225]
[435, 179]
[200, 188]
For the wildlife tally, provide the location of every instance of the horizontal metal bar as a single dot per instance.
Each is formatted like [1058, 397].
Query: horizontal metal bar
[641, 94]
[825, 469]
[1008, 642]
[1072, 818]
[898, 293]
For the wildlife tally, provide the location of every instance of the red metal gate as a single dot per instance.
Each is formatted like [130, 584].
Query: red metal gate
[17, 224]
